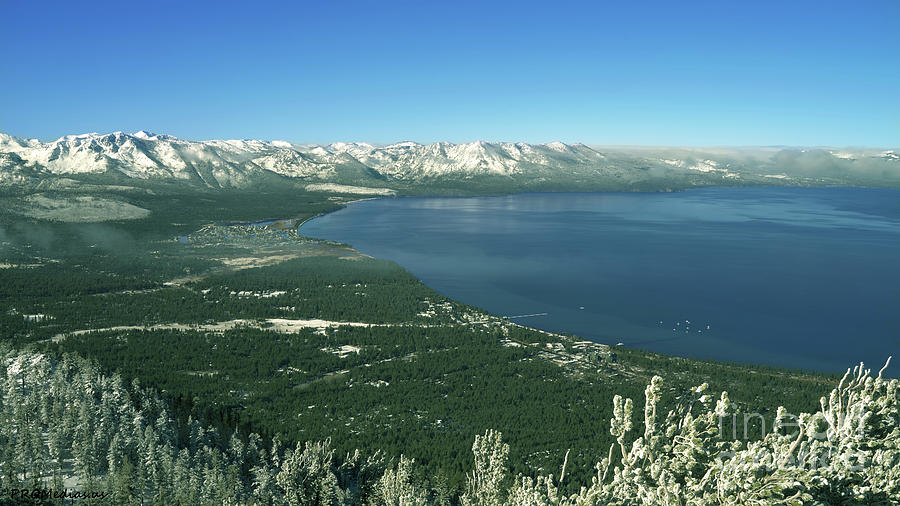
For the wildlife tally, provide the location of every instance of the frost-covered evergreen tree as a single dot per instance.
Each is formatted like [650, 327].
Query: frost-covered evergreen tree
[307, 476]
[484, 486]
[398, 487]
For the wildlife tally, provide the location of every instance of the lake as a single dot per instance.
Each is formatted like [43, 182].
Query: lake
[799, 277]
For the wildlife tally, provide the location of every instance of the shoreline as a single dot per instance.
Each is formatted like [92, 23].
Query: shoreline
[340, 206]
[635, 346]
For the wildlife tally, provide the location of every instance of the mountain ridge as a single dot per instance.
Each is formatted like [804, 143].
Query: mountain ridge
[241, 163]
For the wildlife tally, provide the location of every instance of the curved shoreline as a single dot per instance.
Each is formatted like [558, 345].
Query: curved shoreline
[370, 239]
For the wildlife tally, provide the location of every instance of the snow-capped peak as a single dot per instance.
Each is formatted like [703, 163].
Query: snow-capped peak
[150, 136]
[404, 144]
[557, 146]
[78, 137]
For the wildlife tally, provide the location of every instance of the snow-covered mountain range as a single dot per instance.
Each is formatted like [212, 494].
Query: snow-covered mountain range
[145, 156]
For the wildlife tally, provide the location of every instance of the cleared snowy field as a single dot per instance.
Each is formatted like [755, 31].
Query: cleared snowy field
[80, 209]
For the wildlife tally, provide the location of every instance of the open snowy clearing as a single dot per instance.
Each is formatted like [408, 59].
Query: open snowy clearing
[355, 190]
[82, 209]
[258, 261]
[276, 324]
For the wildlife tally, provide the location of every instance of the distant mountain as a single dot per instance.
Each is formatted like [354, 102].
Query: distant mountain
[147, 158]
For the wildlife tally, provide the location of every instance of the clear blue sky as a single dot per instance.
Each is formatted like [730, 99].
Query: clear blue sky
[658, 73]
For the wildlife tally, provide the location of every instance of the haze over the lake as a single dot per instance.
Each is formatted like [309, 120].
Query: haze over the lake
[799, 277]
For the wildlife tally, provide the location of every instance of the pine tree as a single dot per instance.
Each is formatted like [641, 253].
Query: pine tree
[307, 477]
[398, 487]
[483, 486]
[185, 490]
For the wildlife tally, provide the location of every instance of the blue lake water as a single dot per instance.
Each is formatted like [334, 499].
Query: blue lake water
[800, 277]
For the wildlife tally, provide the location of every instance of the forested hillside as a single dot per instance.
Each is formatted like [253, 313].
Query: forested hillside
[69, 432]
